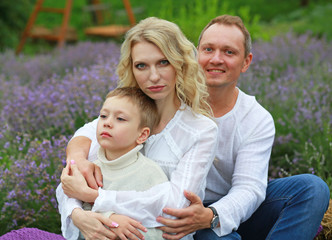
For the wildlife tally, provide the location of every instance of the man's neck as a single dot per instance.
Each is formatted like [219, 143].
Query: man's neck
[222, 100]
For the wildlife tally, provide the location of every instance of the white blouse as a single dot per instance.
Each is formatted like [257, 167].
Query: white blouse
[185, 150]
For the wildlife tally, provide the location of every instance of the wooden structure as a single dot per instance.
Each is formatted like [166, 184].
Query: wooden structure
[59, 35]
[112, 30]
[63, 33]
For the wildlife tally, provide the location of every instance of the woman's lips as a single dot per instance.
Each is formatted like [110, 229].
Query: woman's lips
[156, 88]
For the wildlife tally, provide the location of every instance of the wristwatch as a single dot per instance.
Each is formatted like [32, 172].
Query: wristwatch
[215, 219]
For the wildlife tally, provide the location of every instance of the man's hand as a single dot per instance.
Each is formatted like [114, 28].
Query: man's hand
[74, 184]
[190, 219]
[92, 225]
[78, 149]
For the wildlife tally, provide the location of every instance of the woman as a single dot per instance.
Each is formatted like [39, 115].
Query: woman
[156, 57]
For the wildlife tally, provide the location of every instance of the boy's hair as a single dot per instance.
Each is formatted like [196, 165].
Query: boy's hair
[147, 107]
[229, 20]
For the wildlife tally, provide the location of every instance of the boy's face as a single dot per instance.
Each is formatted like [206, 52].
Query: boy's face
[118, 126]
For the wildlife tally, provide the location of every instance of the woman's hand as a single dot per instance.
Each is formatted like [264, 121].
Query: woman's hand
[92, 225]
[78, 149]
[189, 219]
[91, 172]
[128, 228]
[74, 184]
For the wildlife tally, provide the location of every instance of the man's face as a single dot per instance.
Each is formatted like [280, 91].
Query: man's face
[221, 55]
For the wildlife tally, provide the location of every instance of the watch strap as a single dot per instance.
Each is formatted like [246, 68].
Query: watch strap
[215, 213]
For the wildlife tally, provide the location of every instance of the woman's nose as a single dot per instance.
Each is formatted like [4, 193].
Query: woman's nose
[154, 74]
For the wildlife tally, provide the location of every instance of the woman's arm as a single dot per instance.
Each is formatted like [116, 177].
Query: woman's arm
[189, 174]
[93, 225]
[78, 149]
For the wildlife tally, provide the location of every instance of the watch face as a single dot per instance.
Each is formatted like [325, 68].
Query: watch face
[215, 221]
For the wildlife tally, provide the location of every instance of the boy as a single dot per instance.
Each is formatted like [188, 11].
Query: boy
[125, 122]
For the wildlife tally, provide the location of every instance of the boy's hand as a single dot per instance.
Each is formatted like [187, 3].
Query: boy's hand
[128, 228]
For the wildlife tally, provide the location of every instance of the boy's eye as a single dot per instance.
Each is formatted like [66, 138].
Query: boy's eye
[120, 119]
[103, 116]
[140, 65]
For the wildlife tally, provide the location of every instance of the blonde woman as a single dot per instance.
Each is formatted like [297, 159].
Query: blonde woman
[157, 58]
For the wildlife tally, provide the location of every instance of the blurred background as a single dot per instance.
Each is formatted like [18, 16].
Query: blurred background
[264, 19]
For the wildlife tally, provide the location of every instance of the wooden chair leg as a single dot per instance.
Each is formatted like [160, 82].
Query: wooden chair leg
[64, 26]
[29, 25]
[130, 13]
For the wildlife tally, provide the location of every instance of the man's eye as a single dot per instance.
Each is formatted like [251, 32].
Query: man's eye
[229, 52]
[207, 49]
[140, 65]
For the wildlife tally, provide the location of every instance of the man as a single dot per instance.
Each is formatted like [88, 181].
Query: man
[237, 182]
[234, 204]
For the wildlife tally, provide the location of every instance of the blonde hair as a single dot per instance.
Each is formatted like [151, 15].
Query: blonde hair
[149, 116]
[179, 51]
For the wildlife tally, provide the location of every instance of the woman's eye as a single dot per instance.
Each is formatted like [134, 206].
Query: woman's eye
[140, 65]
[164, 62]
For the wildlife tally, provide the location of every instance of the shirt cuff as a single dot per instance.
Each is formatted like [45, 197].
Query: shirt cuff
[104, 201]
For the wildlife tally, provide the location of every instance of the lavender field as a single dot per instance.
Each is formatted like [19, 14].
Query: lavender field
[45, 98]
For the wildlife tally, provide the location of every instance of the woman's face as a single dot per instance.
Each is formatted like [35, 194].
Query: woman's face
[153, 72]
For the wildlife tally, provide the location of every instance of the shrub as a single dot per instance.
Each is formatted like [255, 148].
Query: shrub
[27, 188]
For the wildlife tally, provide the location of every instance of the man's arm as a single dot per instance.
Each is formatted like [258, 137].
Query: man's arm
[190, 219]
[249, 181]
[78, 150]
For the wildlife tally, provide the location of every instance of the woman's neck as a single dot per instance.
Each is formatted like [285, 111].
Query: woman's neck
[167, 110]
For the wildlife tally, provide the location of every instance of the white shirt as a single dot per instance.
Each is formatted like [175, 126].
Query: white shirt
[185, 150]
[238, 177]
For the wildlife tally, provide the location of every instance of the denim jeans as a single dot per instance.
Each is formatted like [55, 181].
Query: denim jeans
[293, 209]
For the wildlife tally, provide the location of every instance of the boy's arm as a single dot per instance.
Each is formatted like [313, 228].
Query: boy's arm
[78, 150]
